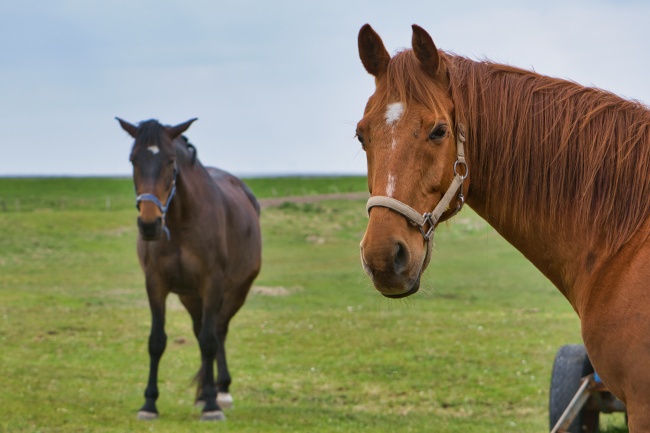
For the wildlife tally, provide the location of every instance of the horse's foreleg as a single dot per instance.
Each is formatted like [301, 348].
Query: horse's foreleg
[157, 344]
[194, 306]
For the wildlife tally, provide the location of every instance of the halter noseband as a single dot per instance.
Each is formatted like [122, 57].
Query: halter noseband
[155, 200]
[431, 218]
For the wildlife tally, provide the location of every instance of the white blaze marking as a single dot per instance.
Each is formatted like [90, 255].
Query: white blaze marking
[393, 112]
[153, 149]
[390, 189]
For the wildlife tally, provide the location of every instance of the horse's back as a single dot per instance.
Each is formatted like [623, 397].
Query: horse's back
[232, 185]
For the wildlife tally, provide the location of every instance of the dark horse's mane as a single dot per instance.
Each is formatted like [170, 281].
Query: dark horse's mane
[548, 147]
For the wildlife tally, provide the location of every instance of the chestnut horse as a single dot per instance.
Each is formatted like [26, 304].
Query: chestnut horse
[200, 239]
[561, 171]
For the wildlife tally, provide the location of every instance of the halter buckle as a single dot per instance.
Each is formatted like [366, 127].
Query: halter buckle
[432, 224]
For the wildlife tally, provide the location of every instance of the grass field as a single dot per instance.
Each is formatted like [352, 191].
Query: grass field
[315, 348]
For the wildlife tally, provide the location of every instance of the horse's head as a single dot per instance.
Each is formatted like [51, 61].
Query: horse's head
[412, 145]
[154, 172]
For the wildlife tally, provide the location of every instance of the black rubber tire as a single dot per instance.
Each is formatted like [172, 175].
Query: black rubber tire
[571, 364]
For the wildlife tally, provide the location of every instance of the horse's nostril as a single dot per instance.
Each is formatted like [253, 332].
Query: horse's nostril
[401, 258]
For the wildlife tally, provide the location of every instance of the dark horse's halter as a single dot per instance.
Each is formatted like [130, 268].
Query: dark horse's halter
[155, 200]
[431, 218]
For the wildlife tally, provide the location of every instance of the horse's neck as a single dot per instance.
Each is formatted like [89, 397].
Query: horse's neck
[540, 172]
[561, 252]
[190, 189]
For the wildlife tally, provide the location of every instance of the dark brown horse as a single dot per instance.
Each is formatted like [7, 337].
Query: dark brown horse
[560, 170]
[200, 239]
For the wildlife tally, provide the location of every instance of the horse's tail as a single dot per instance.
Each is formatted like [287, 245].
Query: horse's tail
[198, 381]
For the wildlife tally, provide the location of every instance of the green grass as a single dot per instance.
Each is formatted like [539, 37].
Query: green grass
[322, 351]
[92, 193]
[306, 185]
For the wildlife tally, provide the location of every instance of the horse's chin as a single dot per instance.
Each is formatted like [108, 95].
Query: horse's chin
[408, 292]
[150, 235]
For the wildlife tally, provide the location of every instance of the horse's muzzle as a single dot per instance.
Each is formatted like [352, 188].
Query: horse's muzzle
[388, 268]
[150, 231]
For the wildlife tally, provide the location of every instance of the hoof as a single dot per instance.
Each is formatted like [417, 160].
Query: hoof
[215, 415]
[147, 416]
[224, 400]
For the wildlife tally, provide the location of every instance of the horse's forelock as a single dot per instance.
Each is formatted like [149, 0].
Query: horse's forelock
[149, 132]
[407, 82]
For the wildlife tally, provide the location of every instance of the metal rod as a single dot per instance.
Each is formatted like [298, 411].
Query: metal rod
[574, 406]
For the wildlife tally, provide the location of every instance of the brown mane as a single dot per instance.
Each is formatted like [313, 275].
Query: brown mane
[543, 147]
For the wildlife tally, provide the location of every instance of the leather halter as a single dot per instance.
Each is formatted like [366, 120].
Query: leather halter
[155, 200]
[431, 218]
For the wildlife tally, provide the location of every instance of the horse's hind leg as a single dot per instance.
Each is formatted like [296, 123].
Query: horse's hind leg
[224, 398]
[157, 344]
[194, 306]
[233, 301]
[209, 344]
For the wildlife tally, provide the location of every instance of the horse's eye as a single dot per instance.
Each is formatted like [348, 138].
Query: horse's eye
[360, 138]
[439, 132]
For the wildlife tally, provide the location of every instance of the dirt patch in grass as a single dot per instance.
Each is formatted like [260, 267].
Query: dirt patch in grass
[274, 291]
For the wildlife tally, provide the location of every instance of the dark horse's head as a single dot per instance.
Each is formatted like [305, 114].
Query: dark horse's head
[154, 172]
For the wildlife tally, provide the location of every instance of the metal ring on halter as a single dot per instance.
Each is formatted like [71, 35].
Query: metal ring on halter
[466, 170]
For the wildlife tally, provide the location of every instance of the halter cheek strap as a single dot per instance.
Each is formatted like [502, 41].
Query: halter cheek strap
[432, 218]
[155, 200]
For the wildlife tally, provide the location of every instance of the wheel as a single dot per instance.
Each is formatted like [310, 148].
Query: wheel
[571, 364]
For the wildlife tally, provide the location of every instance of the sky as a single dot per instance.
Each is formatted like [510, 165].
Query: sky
[277, 85]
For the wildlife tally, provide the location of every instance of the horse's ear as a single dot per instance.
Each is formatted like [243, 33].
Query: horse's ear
[131, 129]
[176, 131]
[425, 50]
[373, 54]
